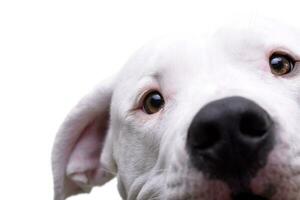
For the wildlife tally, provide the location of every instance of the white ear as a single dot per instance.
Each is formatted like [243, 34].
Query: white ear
[78, 145]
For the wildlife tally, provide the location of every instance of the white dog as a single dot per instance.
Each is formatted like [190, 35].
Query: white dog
[209, 118]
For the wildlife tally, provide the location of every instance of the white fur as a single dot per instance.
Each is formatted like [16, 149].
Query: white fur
[147, 152]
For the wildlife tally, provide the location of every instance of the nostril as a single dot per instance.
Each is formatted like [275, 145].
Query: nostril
[209, 138]
[254, 125]
[248, 196]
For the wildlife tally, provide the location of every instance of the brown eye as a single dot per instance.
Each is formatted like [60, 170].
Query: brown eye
[153, 102]
[281, 64]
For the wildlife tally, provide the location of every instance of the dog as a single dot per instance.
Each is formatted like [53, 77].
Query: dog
[203, 117]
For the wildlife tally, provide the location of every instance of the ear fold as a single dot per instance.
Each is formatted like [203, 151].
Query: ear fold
[78, 145]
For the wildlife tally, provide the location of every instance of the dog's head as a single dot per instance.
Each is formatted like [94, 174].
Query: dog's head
[210, 118]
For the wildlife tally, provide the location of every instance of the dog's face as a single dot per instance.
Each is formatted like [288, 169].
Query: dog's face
[210, 118]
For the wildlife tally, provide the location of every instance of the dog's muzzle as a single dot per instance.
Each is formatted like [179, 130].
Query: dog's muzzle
[229, 140]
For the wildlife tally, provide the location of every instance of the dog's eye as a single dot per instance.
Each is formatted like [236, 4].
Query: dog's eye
[153, 102]
[281, 64]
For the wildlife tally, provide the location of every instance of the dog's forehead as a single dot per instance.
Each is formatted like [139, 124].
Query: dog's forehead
[252, 40]
[229, 46]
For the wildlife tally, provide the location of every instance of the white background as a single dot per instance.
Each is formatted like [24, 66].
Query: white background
[52, 52]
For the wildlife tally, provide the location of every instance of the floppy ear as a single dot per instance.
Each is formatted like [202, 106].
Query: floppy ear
[78, 145]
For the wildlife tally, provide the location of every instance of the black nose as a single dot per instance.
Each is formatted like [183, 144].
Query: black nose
[230, 139]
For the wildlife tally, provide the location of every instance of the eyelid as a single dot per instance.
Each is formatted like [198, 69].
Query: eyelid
[286, 56]
[148, 85]
[285, 52]
[142, 96]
